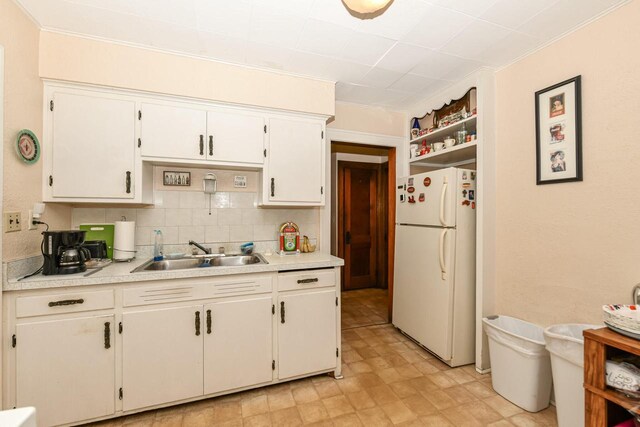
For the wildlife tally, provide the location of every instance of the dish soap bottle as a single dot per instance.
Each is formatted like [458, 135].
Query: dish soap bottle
[158, 249]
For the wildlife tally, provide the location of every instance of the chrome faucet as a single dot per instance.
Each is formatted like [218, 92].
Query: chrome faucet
[635, 294]
[199, 246]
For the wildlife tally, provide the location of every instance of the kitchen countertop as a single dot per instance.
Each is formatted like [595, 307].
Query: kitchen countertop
[120, 272]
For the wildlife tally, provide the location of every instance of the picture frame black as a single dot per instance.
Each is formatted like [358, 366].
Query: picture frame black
[559, 132]
[176, 179]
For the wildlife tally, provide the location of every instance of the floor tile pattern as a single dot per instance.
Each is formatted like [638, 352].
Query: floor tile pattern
[388, 380]
[364, 307]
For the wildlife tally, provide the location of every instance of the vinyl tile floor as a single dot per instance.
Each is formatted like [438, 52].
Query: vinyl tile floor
[364, 307]
[388, 380]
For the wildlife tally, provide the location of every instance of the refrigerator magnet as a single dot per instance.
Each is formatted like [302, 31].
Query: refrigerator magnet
[427, 182]
[421, 197]
[410, 183]
[410, 190]
[412, 199]
[464, 193]
[473, 205]
[472, 194]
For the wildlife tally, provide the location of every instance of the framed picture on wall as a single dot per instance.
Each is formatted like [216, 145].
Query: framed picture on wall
[559, 133]
[179, 179]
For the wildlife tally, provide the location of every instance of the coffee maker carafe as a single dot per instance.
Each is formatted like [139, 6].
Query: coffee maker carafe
[63, 252]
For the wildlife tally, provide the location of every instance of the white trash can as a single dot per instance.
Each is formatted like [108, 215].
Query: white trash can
[566, 346]
[520, 365]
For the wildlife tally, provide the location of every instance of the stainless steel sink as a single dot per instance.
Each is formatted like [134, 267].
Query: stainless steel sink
[201, 262]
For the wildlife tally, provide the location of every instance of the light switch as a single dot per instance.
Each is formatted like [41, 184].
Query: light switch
[12, 222]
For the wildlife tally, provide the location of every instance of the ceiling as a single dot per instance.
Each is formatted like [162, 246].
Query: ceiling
[414, 49]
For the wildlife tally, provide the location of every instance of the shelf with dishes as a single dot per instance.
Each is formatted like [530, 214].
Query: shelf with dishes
[451, 156]
[439, 134]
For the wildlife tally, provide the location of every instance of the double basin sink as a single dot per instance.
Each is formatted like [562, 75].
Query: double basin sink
[222, 260]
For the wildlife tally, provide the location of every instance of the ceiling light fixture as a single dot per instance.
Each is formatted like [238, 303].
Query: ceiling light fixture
[367, 9]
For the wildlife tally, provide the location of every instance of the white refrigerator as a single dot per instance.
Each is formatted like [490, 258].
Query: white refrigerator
[434, 273]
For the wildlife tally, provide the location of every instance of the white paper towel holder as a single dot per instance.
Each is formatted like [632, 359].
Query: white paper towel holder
[132, 252]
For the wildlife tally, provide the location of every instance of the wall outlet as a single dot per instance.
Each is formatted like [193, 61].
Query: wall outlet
[30, 224]
[12, 222]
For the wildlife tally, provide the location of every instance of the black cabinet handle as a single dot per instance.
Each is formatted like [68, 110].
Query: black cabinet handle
[315, 279]
[208, 321]
[273, 187]
[107, 335]
[282, 312]
[197, 323]
[347, 238]
[211, 145]
[128, 182]
[202, 145]
[66, 302]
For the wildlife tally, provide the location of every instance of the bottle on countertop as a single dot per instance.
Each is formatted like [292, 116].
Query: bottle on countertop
[158, 246]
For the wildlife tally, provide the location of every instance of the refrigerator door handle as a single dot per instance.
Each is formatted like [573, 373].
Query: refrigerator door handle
[443, 194]
[443, 267]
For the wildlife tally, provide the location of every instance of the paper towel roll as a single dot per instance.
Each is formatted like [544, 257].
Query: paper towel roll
[124, 236]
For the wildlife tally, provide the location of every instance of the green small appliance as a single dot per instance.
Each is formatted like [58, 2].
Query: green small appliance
[100, 232]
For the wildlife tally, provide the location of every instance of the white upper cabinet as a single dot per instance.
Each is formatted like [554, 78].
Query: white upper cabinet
[235, 137]
[93, 147]
[171, 131]
[294, 172]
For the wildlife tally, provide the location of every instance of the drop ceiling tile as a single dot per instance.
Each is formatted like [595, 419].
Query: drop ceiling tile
[171, 37]
[232, 19]
[365, 95]
[380, 78]
[177, 12]
[397, 21]
[223, 48]
[335, 12]
[299, 8]
[437, 65]
[307, 64]
[403, 57]
[344, 71]
[513, 13]
[274, 28]
[412, 83]
[267, 56]
[323, 38]
[470, 7]
[365, 48]
[438, 26]
[475, 38]
[510, 48]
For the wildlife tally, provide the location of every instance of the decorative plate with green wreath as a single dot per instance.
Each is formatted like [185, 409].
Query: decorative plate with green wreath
[27, 146]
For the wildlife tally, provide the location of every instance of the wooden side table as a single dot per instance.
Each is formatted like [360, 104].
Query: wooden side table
[605, 406]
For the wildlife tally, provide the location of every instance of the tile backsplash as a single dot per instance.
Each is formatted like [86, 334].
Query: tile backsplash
[183, 214]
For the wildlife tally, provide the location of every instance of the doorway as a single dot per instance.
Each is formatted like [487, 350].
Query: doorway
[362, 224]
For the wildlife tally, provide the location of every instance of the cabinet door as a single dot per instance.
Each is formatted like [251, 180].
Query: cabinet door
[235, 137]
[306, 333]
[296, 159]
[174, 132]
[93, 150]
[161, 356]
[237, 344]
[66, 369]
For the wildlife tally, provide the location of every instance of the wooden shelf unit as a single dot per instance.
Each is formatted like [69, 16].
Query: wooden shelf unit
[452, 156]
[605, 406]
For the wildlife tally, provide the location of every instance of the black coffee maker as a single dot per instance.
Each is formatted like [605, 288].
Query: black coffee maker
[63, 252]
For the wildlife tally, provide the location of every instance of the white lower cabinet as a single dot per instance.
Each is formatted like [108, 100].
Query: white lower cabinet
[161, 356]
[238, 344]
[306, 332]
[66, 369]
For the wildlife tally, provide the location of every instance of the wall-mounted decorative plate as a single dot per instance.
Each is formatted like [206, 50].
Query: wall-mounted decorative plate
[27, 146]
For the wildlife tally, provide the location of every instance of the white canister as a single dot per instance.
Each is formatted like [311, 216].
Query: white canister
[124, 245]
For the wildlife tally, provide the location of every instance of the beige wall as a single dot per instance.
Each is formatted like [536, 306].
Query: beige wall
[22, 109]
[376, 120]
[78, 59]
[563, 250]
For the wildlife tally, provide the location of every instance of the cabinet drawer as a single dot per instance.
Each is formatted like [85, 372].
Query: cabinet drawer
[44, 305]
[196, 289]
[306, 279]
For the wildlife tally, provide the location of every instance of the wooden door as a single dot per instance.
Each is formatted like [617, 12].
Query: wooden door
[93, 153]
[359, 218]
[162, 356]
[238, 347]
[306, 344]
[296, 165]
[173, 131]
[235, 137]
[66, 369]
